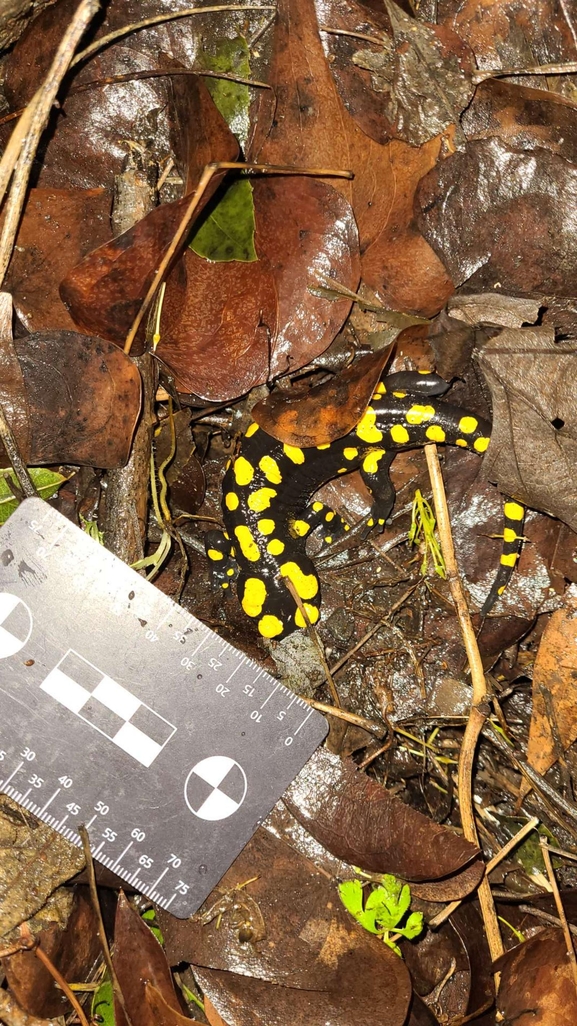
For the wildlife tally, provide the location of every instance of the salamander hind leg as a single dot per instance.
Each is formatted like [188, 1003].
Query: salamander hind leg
[220, 553]
[318, 515]
[375, 474]
[270, 603]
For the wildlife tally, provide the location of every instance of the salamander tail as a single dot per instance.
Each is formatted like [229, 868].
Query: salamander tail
[514, 515]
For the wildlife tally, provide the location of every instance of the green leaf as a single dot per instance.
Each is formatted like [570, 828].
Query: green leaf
[103, 1004]
[351, 895]
[47, 482]
[227, 232]
[413, 926]
[150, 919]
[404, 900]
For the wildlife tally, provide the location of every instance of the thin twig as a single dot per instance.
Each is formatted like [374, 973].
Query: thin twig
[501, 854]
[546, 916]
[342, 714]
[377, 40]
[59, 979]
[479, 709]
[559, 904]
[534, 69]
[101, 931]
[188, 217]
[373, 630]
[40, 107]
[139, 76]
[158, 19]
[12, 451]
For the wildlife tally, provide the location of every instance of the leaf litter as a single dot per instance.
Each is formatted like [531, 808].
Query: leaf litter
[459, 212]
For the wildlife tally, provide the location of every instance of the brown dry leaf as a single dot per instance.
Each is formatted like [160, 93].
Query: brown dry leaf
[453, 887]
[537, 983]
[533, 451]
[140, 961]
[497, 217]
[325, 412]
[555, 688]
[325, 966]
[104, 292]
[410, 84]
[362, 823]
[211, 1013]
[58, 228]
[523, 118]
[83, 398]
[228, 327]
[72, 947]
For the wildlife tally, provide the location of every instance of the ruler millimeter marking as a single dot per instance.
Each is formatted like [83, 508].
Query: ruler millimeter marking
[120, 710]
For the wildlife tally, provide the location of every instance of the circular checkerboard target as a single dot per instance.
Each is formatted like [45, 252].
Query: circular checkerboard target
[15, 624]
[215, 787]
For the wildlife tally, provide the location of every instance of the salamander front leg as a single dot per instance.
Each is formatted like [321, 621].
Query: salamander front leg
[220, 552]
[375, 474]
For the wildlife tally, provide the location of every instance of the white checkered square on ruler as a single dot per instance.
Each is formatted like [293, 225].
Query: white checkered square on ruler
[110, 708]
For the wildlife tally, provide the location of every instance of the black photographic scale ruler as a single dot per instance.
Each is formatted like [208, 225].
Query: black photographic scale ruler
[120, 710]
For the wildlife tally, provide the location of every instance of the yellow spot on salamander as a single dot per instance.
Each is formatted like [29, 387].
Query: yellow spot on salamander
[417, 414]
[371, 461]
[330, 516]
[259, 500]
[275, 547]
[306, 585]
[509, 535]
[224, 584]
[317, 506]
[399, 434]
[367, 430]
[468, 424]
[325, 445]
[462, 442]
[424, 372]
[435, 433]
[243, 471]
[400, 395]
[350, 453]
[481, 444]
[254, 596]
[266, 526]
[509, 558]
[231, 501]
[230, 572]
[312, 613]
[342, 470]
[381, 388]
[214, 554]
[329, 539]
[501, 589]
[370, 522]
[513, 511]
[269, 626]
[248, 546]
[270, 469]
[251, 430]
[299, 528]
[294, 453]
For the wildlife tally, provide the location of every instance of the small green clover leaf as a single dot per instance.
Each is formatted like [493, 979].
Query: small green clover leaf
[384, 909]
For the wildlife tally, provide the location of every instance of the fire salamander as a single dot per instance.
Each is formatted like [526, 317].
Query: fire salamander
[268, 487]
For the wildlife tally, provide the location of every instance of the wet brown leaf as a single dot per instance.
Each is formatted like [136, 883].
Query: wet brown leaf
[410, 84]
[326, 967]
[58, 228]
[72, 947]
[83, 399]
[497, 219]
[555, 688]
[140, 964]
[325, 412]
[229, 327]
[451, 888]
[360, 822]
[533, 451]
[537, 984]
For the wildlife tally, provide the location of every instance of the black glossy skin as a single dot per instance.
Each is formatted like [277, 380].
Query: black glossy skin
[268, 488]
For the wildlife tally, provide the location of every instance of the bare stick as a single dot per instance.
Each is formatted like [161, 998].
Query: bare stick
[34, 124]
[559, 904]
[126, 30]
[533, 69]
[101, 931]
[342, 714]
[189, 214]
[58, 977]
[479, 708]
[501, 854]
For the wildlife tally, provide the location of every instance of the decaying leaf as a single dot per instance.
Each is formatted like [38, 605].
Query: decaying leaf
[493, 309]
[325, 412]
[496, 216]
[286, 927]
[537, 982]
[414, 83]
[360, 822]
[555, 688]
[83, 398]
[533, 451]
